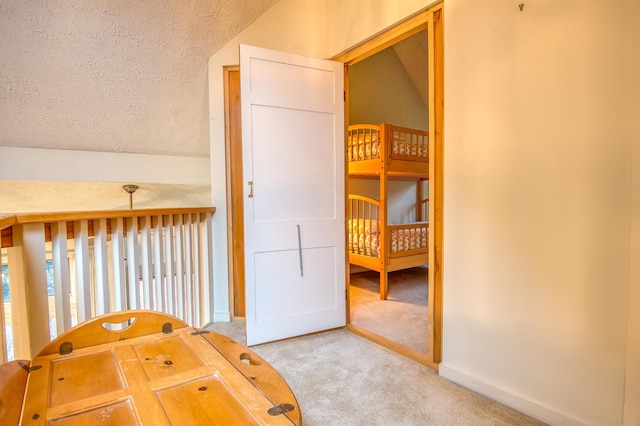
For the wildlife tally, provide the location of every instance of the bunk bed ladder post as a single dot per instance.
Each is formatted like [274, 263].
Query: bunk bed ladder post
[385, 237]
[420, 190]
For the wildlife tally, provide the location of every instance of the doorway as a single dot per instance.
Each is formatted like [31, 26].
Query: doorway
[391, 87]
[430, 21]
[404, 43]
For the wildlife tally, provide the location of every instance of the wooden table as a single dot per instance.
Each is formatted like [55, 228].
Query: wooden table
[155, 371]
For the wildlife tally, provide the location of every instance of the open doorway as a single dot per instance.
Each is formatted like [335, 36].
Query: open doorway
[431, 22]
[416, 47]
[391, 86]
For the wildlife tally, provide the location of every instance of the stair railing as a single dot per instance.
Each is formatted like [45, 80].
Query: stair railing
[59, 269]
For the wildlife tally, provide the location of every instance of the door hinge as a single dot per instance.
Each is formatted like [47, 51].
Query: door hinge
[281, 409]
[27, 368]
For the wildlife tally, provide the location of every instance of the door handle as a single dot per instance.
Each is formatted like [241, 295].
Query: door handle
[300, 252]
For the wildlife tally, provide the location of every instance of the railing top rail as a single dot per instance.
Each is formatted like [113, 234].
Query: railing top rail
[7, 221]
[365, 199]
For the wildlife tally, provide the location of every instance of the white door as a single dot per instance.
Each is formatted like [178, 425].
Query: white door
[293, 163]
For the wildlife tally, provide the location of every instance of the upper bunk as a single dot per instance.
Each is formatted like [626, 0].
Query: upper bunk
[401, 152]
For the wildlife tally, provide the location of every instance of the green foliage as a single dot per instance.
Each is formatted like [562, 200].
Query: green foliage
[5, 283]
[49, 269]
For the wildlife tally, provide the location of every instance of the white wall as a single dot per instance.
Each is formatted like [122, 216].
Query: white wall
[47, 180]
[401, 200]
[318, 28]
[538, 184]
[537, 179]
[380, 91]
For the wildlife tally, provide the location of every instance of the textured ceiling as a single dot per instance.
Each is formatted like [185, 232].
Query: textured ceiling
[112, 75]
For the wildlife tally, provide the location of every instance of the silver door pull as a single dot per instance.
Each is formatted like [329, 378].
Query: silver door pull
[300, 251]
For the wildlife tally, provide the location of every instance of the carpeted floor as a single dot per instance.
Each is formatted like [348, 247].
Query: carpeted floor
[403, 317]
[342, 379]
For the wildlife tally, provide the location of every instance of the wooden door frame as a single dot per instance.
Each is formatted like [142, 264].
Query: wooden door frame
[430, 20]
[235, 200]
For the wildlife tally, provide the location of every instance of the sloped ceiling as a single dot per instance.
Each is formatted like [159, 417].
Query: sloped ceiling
[112, 75]
[412, 53]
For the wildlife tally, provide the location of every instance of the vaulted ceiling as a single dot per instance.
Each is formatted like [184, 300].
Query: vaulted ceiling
[112, 75]
[412, 53]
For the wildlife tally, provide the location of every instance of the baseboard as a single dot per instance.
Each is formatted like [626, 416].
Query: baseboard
[517, 402]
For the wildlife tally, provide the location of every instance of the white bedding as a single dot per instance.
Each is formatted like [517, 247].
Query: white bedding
[366, 146]
[364, 238]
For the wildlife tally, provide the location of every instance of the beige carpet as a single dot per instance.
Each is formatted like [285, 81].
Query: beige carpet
[342, 379]
[403, 317]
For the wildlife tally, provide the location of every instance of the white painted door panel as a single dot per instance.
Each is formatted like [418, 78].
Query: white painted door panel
[298, 160]
[303, 302]
[293, 153]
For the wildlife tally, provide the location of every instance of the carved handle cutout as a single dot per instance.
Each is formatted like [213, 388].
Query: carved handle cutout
[118, 326]
[247, 359]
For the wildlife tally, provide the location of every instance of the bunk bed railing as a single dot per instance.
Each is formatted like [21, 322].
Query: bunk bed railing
[408, 239]
[406, 144]
[59, 269]
[372, 142]
[366, 231]
[365, 226]
[363, 142]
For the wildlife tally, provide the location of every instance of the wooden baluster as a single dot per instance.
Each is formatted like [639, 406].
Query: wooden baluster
[195, 256]
[145, 256]
[28, 286]
[206, 254]
[180, 280]
[159, 288]
[188, 256]
[133, 256]
[83, 278]
[119, 285]
[101, 259]
[61, 276]
[169, 253]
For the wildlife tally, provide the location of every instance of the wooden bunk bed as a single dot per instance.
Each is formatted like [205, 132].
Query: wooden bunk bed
[386, 152]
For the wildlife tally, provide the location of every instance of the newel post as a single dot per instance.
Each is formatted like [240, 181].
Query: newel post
[28, 286]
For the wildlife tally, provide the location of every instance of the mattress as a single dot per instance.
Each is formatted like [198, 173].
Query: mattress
[364, 237]
[366, 146]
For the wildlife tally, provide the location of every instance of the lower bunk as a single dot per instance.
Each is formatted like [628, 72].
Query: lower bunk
[382, 247]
